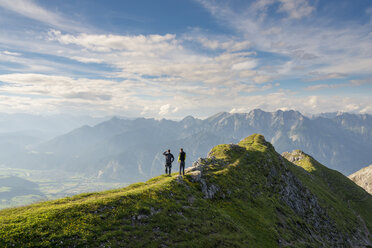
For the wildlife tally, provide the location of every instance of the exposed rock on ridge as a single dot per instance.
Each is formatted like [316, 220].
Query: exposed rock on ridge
[304, 203]
[363, 178]
[196, 173]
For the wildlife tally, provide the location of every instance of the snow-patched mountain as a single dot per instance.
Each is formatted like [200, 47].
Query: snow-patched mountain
[131, 150]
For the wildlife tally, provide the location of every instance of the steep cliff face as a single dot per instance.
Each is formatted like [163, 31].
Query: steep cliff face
[240, 195]
[363, 178]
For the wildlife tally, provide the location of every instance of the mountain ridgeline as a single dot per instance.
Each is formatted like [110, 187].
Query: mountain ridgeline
[131, 150]
[241, 195]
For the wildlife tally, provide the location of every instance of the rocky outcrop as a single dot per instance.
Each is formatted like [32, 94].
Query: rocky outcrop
[294, 156]
[319, 225]
[196, 172]
[306, 205]
[363, 178]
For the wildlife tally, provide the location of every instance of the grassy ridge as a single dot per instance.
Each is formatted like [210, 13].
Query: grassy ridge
[246, 211]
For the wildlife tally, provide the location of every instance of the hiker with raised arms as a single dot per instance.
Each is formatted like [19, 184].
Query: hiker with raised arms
[169, 158]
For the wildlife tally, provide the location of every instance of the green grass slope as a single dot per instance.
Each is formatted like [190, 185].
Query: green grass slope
[243, 195]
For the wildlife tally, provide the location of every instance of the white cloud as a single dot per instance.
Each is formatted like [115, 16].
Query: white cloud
[246, 65]
[272, 31]
[175, 75]
[107, 43]
[312, 102]
[58, 86]
[322, 86]
[357, 82]
[166, 109]
[87, 60]
[352, 83]
[229, 45]
[43, 93]
[238, 110]
[30, 9]
[296, 9]
[157, 58]
[261, 79]
[349, 64]
[146, 110]
[11, 53]
[303, 55]
[311, 47]
[316, 76]
[80, 95]
[262, 4]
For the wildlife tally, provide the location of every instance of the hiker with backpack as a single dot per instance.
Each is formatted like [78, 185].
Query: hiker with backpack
[169, 158]
[181, 160]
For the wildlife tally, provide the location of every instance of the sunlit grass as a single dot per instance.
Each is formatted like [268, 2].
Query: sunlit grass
[169, 211]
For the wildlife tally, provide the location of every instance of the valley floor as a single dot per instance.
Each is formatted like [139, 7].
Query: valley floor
[20, 187]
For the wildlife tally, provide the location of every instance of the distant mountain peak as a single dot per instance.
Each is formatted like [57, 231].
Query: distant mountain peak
[218, 116]
[257, 111]
[189, 121]
[291, 112]
[187, 118]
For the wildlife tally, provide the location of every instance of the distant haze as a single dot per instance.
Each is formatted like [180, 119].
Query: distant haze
[339, 140]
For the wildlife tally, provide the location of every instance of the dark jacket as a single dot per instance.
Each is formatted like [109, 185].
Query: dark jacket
[169, 158]
[182, 157]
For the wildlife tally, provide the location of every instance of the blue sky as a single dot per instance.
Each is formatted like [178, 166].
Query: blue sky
[169, 59]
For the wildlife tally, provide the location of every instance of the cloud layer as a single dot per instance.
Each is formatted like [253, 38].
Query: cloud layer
[279, 55]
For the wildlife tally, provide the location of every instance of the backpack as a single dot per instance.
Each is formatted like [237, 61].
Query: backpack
[182, 156]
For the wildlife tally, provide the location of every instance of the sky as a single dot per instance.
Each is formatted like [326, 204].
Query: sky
[171, 59]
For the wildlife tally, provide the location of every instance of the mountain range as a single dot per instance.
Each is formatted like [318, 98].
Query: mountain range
[19, 132]
[130, 150]
[241, 195]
